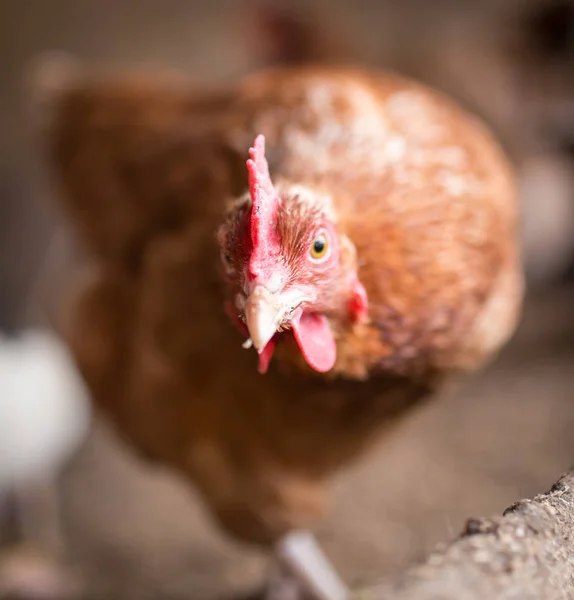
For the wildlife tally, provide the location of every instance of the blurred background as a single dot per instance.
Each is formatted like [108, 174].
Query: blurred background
[80, 516]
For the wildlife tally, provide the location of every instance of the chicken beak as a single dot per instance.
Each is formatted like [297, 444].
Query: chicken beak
[264, 314]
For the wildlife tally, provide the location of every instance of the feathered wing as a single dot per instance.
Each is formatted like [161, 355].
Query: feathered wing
[135, 159]
[129, 154]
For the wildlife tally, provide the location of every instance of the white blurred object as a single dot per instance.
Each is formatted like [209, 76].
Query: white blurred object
[547, 195]
[44, 407]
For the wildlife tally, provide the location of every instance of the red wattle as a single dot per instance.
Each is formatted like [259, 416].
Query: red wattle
[265, 357]
[315, 339]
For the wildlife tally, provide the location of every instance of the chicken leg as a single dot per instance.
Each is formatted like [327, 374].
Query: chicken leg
[302, 571]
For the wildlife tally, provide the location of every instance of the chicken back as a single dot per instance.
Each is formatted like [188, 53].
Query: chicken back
[421, 278]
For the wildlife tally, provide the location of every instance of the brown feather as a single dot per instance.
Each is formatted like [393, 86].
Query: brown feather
[419, 187]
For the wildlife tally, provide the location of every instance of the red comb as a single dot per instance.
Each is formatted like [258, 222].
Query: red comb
[264, 201]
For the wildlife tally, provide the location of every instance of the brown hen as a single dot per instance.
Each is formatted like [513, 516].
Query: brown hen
[414, 199]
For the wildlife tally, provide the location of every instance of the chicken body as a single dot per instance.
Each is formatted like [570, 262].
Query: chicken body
[147, 168]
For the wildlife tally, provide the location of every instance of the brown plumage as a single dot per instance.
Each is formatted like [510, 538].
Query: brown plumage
[421, 193]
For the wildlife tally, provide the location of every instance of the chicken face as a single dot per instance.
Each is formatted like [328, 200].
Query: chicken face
[288, 267]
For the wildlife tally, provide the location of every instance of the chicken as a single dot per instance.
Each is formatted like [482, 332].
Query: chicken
[44, 417]
[367, 251]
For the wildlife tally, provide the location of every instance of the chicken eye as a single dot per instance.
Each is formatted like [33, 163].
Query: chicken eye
[227, 263]
[319, 247]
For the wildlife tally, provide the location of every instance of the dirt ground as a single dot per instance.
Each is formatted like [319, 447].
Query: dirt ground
[505, 434]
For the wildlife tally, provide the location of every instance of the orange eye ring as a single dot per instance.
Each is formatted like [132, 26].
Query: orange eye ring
[320, 247]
